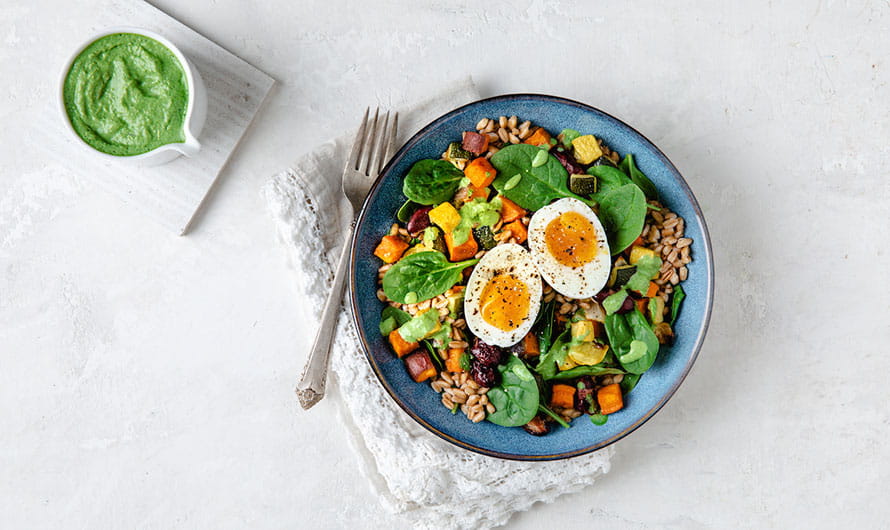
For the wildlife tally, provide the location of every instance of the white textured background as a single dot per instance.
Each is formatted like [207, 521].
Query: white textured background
[146, 379]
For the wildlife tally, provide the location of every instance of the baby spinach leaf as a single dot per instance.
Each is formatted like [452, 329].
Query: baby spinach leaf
[391, 318]
[599, 419]
[578, 371]
[387, 325]
[431, 181]
[638, 178]
[608, 178]
[544, 326]
[547, 362]
[629, 382]
[465, 362]
[618, 333]
[434, 355]
[537, 186]
[640, 331]
[676, 300]
[420, 326]
[516, 397]
[556, 417]
[407, 210]
[623, 213]
[422, 276]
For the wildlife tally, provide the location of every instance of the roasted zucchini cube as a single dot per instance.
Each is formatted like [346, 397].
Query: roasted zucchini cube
[582, 184]
[621, 274]
[456, 152]
[485, 237]
[604, 161]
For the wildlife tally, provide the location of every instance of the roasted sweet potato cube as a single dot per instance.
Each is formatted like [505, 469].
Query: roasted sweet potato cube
[475, 143]
[400, 345]
[420, 367]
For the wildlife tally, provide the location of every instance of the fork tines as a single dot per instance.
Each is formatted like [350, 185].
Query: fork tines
[373, 144]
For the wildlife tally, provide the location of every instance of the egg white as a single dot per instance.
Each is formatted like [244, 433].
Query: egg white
[575, 282]
[509, 259]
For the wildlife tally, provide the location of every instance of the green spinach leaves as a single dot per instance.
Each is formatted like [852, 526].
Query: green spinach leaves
[625, 330]
[536, 185]
[431, 181]
[638, 178]
[676, 300]
[578, 371]
[517, 397]
[391, 318]
[622, 194]
[422, 276]
[623, 213]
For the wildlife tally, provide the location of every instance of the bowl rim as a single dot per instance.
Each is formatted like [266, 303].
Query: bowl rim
[190, 139]
[700, 336]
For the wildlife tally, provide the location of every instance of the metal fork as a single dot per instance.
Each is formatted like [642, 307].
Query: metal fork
[373, 146]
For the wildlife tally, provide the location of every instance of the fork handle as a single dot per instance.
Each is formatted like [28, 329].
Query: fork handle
[310, 389]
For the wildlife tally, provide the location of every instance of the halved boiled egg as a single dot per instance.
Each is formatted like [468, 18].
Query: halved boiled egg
[570, 248]
[503, 295]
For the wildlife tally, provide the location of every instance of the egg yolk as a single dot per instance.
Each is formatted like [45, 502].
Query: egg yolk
[571, 239]
[504, 302]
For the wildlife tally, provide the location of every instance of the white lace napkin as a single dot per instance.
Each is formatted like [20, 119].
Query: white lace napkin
[433, 483]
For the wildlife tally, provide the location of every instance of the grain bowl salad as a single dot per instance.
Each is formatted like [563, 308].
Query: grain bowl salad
[529, 278]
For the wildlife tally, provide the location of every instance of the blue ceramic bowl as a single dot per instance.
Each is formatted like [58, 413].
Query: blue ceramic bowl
[419, 400]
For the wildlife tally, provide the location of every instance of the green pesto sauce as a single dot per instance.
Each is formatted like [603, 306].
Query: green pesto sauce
[127, 94]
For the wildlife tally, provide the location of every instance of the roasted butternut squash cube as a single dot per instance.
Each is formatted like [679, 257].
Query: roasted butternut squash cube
[518, 231]
[610, 399]
[637, 253]
[510, 211]
[465, 250]
[390, 249]
[452, 362]
[480, 172]
[445, 216]
[400, 345]
[539, 137]
[587, 149]
[562, 396]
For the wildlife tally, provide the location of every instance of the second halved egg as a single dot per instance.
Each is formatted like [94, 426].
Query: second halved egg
[570, 247]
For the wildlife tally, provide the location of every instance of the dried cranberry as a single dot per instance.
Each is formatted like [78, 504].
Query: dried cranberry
[568, 162]
[419, 220]
[586, 388]
[483, 374]
[581, 402]
[602, 295]
[486, 353]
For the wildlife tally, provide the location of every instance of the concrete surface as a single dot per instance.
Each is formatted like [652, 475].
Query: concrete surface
[146, 379]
